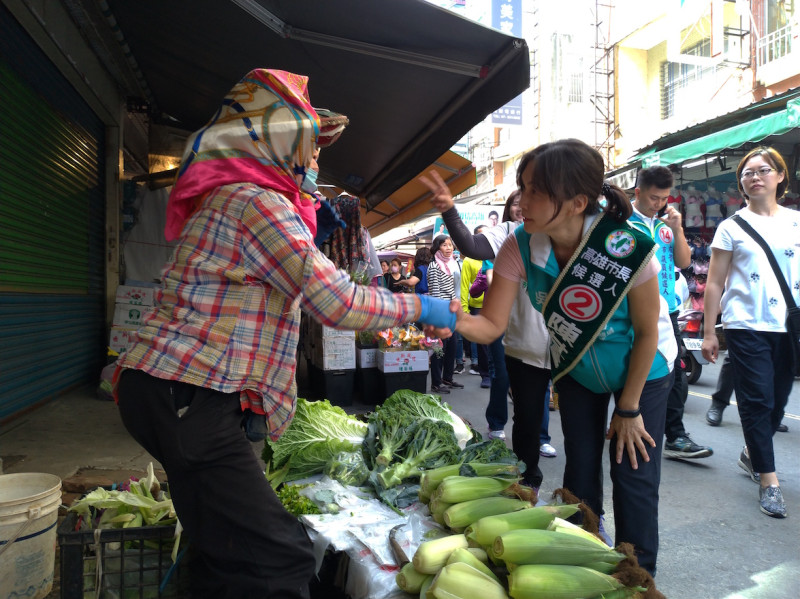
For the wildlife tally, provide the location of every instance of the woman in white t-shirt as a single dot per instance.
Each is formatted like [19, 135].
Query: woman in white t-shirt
[754, 313]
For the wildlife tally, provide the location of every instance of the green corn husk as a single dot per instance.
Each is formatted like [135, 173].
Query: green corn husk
[423, 592]
[432, 555]
[455, 489]
[548, 581]
[437, 509]
[603, 567]
[465, 556]
[486, 530]
[461, 581]
[431, 479]
[479, 553]
[561, 525]
[532, 546]
[409, 580]
[460, 515]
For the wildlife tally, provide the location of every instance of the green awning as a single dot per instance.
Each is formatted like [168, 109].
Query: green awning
[776, 123]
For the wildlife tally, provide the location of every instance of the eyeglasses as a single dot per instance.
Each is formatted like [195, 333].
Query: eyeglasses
[762, 172]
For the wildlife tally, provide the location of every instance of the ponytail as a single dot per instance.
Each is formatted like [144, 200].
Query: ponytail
[618, 206]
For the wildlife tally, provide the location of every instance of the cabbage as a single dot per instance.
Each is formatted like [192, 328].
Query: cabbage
[424, 406]
[316, 435]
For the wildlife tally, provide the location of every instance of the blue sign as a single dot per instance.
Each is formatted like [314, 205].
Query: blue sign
[507, 17]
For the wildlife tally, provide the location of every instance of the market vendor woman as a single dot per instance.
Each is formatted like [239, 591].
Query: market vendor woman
[218, 353]
[593, 278]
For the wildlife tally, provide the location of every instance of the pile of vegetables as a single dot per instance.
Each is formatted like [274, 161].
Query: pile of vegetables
[503, 538]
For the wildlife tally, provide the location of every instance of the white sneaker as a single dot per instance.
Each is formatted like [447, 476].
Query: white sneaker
[473, 371]
[546, 450]
[497, 434]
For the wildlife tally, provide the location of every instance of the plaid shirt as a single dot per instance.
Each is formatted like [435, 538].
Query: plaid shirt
[228, 313]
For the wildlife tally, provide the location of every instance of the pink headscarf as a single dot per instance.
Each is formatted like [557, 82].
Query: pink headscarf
[264, 132]
[446, 265]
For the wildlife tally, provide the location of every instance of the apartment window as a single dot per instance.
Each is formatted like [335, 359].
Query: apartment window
[678, 76]
[568, 69]
[776, 40]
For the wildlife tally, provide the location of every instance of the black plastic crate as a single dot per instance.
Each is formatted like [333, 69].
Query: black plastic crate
[369, 386]
[336, 386]
[123, 563]
[416, 380]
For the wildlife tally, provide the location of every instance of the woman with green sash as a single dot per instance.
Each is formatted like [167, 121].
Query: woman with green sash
[593, 278]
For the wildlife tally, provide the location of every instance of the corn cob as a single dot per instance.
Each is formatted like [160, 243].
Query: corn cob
[430, 479]
[464, 555]
[548, 581]
[561, 525]
[479, 553]
[461, 515]
[437, 509]
[603, 567]
[432, 555]
[455, 489]
[423, 592]
[461, 581]
[486, 530]
[409, 579]
[532, 546]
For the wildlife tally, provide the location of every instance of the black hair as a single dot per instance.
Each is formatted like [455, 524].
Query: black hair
[493, 212]
[772, 156]
[659, 177]
[513, 196]
[477, 229]
[437, 243]
[568, 168]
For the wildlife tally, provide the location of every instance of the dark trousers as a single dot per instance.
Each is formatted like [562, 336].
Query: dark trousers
[497, 408]
[676, 400]
[762, 377]
[584, 421]
[529, 386]
[483, 351]
[246, 545]
[442, 368]
[722, 395]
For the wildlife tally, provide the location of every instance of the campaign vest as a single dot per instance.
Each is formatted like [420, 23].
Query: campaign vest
[585, 305]
[662, 234]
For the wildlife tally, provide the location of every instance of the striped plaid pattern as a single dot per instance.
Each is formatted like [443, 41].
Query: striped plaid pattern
[229, 311]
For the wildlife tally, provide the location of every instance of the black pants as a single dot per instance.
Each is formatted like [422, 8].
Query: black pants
[584, 421]
[442, 368]
[722, 395]
[246, 545]
[528, 390]
[676, 400]
[762, 377]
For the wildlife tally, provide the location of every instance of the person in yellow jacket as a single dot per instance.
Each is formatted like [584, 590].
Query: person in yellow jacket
[473, 305]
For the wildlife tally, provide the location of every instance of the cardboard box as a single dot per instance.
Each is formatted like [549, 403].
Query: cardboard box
[318, 330]
[121, 339]
[402, 361]
[334, 353]
[129, 315]
[141, 296]
[367, 358]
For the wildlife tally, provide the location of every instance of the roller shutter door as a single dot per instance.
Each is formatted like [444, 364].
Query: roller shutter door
[52, 308]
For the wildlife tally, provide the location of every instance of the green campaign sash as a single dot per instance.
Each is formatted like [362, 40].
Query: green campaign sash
[591, 287]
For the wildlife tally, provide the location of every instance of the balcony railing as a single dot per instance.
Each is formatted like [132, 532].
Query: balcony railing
[774, 45]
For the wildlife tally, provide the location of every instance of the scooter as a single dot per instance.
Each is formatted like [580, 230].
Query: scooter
[690, 324]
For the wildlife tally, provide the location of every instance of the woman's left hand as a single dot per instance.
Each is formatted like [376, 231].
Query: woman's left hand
[631, 437]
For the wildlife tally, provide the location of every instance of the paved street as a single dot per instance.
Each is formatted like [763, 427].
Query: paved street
[715, 543]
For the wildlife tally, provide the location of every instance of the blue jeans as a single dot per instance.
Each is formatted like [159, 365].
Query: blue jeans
[459, 349]
[497, 410]
[762, 376]
[544, 433]
[584, 419]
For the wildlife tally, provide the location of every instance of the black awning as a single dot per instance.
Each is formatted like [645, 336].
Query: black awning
[412, 78]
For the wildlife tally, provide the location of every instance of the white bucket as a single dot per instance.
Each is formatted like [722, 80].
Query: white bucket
[28, 516]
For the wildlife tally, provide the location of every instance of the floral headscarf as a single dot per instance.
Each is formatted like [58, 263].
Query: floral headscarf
[264, 133]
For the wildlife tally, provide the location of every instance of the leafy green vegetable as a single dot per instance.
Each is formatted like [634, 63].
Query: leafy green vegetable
[394, 428]
[295, 503]
[348, 468]
[424, 406]
[318, 432]
[433, 444]
[489, 451]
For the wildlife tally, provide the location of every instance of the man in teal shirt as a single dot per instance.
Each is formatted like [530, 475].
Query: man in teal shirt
[662, 223]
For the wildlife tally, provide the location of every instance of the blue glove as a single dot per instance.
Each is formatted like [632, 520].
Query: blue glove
[436, 312]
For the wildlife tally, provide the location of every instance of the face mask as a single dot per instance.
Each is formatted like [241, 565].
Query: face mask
[395, 269]
[309, 184]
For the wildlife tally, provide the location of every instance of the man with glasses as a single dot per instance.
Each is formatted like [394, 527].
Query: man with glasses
[662, 223]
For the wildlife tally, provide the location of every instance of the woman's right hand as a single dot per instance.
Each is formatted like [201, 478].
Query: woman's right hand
[710, 348]
[441, 198]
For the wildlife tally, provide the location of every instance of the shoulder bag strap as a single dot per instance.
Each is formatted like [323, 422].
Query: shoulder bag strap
[787, 295]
